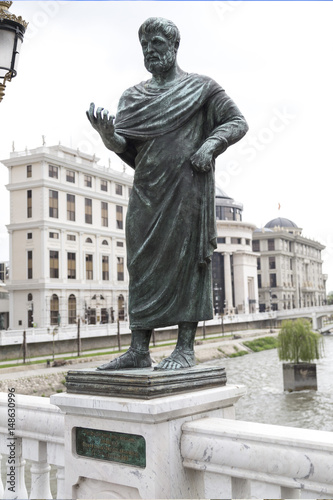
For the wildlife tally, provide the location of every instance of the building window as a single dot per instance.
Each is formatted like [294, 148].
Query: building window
[259, 281]
[105, 268]
[272, 280]
[129, 192]
[71, 237]
[29, 203]
[71, 266]
[120, 243]
[256, 245]
[53, 171]
[71, 309]
[29, 264]
[54, 264]
[29, 170]
[104, 242]
[271, 244]
[119, 189]
[120, 268]
[54, 235]
[104, 185]
[70, 176]
[271, 263]
[29, 236]
[87, 181]
[104, 214]
[71, 207]
[247, 242]
[88, 210]
[89, 267]
[53, 204]
[2, 272]
[236, 241]
[221, 240]
[88, 240]
[119, 217]
[54, 310]
[258, 264]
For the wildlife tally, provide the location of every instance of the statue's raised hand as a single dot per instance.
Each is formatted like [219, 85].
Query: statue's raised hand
[103, 123]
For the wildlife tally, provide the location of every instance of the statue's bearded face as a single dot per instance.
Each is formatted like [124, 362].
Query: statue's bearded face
[159, 52]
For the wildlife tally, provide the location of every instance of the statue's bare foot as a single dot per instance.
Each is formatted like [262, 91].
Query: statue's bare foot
[179, 358]
[130, 359]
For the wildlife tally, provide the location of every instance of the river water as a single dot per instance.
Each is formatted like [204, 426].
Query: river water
[266, 402]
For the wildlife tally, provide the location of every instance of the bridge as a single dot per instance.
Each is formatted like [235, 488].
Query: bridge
[314, 313]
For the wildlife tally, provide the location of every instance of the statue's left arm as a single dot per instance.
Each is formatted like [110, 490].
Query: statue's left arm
[225, 126]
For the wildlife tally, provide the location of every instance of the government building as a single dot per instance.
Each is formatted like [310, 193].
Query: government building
[289, 267]
[68, 250]
[67, 239]
[235, 289]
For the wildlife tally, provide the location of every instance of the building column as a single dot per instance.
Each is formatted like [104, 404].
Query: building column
[227, 282]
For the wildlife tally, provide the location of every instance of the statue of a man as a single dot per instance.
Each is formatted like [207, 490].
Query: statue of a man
[169, 129]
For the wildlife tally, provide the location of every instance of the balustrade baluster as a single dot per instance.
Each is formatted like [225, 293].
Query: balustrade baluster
[15, 482]
[60, 483]
[40, 481]
[1, 485]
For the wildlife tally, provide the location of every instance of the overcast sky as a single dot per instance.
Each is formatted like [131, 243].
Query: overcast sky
[273, 58]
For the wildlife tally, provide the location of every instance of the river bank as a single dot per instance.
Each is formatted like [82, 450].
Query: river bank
[37, 380]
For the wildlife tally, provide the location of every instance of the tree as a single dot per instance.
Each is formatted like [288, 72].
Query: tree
[298, 343]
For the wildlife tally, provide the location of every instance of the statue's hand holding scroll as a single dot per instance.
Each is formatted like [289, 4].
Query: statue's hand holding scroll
[102, 122]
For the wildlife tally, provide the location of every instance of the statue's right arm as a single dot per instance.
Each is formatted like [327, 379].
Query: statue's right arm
[102, 122]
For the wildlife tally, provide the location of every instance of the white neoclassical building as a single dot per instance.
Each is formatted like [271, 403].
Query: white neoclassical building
[67, 238]
[234, 263]
[289, 267]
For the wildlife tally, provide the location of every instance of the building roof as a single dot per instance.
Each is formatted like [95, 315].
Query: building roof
[219, 193]
[280, 222]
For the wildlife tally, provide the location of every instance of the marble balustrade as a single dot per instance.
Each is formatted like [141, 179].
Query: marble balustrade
[37, 435]
[236, 459]
[223, 458]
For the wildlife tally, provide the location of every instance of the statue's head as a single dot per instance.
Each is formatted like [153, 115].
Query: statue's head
[159, 40]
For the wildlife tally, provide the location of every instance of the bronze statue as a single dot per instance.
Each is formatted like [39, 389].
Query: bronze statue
[169, 129]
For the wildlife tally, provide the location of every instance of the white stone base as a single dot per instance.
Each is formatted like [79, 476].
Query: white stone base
[159, 421]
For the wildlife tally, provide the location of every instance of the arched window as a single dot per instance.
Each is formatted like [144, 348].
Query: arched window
[121, 310]
[54, 310]
[30, 297]
[104, 242]
[71, 309]
[88, 240]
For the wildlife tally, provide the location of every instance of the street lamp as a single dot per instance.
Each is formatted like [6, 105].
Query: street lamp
[12, 29]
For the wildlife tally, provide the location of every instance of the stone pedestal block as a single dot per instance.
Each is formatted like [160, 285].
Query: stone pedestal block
[299, 376]
[129, 447]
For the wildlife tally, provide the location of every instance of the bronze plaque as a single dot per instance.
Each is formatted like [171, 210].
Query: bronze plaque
[127, 449]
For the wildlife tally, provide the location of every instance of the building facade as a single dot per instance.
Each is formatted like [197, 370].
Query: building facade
[234, 263]
[67, 239]
[289, 267]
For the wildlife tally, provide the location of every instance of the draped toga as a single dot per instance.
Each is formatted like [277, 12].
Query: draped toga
[170, 223]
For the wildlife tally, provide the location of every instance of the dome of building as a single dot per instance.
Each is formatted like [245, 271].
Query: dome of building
[280, 222]
[219, 193]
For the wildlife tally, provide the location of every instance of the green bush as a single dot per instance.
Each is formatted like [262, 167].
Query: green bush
[237, 354]
[262, 344]
[297, 342]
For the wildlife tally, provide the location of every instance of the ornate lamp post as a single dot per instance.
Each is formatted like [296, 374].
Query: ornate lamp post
[12, 29]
